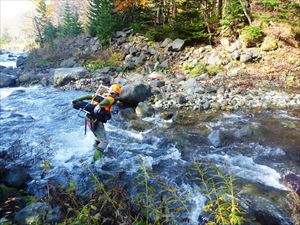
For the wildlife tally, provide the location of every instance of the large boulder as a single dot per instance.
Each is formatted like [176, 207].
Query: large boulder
[36, 211]
[63, 76]
[7, 80]
[132, 94]
[16, 177]
[216, 138]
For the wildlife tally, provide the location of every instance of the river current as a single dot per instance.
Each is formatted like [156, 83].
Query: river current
[38, 125]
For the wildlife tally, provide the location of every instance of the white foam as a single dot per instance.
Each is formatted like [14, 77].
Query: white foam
[5, 92]
[245, 167]
[198, 202]
[71, 145]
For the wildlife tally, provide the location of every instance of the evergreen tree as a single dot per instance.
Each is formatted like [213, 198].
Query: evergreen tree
[50, 33]
[70, 24]
[103, 21]
[40, 20]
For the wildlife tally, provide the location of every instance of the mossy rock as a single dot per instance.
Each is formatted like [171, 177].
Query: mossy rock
[270, 43]
[213, 69]
[198, 70]
[252, 36]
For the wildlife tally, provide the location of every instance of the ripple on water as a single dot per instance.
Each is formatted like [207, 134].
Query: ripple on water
[246, 168]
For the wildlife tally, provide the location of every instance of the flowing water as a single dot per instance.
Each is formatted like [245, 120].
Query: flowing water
[38, 125]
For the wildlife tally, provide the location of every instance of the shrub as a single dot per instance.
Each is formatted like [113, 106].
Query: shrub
[213, 69]
[93, 65]
[251, 35]
[198, 70]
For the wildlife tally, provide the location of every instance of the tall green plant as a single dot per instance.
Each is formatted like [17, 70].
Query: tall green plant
[223, 203]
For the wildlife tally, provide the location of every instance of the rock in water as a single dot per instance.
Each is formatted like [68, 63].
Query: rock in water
[292, 180]
[245, 131]
[63, 76]
[16, 177]
[132, 94]
[33, 212]
[216, 138]
[7, 80]
[144, 109]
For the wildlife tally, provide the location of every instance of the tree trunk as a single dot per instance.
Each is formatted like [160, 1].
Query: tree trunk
[220, 8]
[174, 9]
[38, 30]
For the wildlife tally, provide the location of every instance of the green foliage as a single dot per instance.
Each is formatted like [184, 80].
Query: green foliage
[252, 35]
[102, 20]
[198, 70]
[233, 13]
[223, 204]
[270, 4]
[70, 24]
[213, 69]
[50, 33]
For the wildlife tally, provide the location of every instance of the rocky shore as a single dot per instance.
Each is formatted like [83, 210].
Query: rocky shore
[167, 74]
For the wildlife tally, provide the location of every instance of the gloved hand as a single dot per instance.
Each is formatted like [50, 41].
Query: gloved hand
[97, 109]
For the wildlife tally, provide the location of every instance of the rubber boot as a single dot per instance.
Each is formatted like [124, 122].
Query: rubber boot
[97, 154]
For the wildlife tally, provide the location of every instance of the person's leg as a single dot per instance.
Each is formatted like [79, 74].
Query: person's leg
[101, 141]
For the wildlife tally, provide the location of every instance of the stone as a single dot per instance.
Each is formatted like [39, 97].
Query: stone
[133, 50]
[16, 177]
[128, 113]
[225, 42]
[245, 131]
[144, 109]
[206, 105]
[7, 80]
[139, 125]
[95, 46]
[235, 55]
[191, 87]
[182, 100]
[164, 64]
[120, 34]
[176, 45]
[214, 59]
[166, 42]
[203, 76]
[157, 83]
[63, 76]
[140, 60]
[292, 180]
[152, 51]
[156, 75]
[216, 138]
[32, 213]
[215, 105]
[246, 57]
[20, 61]
[232, 48]
[270, 43]
[67, 63]
[237, 71]
[134, 93]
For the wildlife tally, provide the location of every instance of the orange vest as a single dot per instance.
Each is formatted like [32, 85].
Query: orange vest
[105, 96]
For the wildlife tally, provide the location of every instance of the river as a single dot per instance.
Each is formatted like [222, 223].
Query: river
[38, 125]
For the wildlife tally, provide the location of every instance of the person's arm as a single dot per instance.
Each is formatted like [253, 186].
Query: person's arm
[83, 98]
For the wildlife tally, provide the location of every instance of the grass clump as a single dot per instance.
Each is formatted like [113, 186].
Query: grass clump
[223, 205]
[197, 70]
[213, 69]
[252, 35]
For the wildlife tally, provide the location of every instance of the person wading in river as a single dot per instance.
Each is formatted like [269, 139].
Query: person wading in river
[98, 112]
